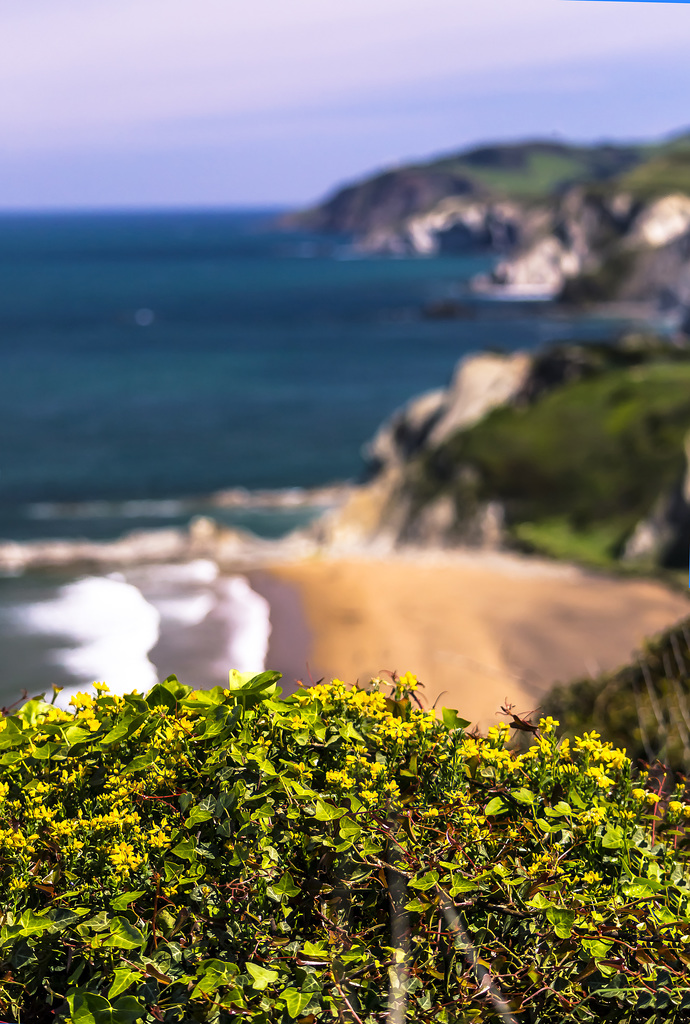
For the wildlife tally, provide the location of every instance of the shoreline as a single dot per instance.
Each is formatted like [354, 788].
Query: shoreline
[477, 629]
[477, 626]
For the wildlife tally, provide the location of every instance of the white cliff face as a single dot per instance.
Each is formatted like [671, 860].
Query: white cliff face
[662, 222]
[540, 272]
[492, 224]
[480, 383]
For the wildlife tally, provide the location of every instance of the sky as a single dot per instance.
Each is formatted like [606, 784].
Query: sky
[140, 103]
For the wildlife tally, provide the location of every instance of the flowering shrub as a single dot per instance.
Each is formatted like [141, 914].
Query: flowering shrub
[341, 854]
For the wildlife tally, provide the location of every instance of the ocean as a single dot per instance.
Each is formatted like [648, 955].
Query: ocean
[149, 360]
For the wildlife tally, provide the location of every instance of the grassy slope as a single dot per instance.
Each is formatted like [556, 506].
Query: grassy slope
[540, 169]
[581, 466]
[644, 706]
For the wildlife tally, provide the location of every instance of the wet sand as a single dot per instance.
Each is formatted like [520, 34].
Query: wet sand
[477, 628]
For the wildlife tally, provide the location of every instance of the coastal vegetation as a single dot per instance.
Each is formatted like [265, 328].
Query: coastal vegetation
[584, 447]
[341, 854]
[644, 705]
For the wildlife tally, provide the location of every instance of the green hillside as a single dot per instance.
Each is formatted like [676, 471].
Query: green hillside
[577, 468]
[538, 169]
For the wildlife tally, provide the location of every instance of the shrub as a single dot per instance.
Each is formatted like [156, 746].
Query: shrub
[339, 854]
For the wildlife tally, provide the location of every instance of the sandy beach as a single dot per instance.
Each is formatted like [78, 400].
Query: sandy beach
[477, 628]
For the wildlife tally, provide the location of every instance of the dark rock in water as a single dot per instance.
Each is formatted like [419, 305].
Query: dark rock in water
[449, 309]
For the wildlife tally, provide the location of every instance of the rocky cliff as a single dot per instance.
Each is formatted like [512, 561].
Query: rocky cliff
[491, 197]
[577, 451]
[602, 248]
[579, 224]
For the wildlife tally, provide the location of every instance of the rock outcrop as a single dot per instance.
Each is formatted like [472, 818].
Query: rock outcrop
[455, 224]
[380, 514]
[600, 249]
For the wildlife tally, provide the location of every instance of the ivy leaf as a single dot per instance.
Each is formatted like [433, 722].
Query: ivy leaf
[417, 906]
[295, 1001]
[126, 1010]
[123, 901]
[427, 881]
[197, 816]
[452, 720]
[328, 812]
[124, 977]
[598, 949]
[262, 976]
[349, 829]
[562, 921]
[124, 935]
[613, 838]
[186, 850]
[34, 924]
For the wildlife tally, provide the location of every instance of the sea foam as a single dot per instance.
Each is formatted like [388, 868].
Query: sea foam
[110, 629]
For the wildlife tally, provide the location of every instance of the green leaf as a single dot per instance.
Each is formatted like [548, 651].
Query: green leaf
[452, 720]
[417, 906]
[349, 829]
[124, 935]
[33, 924]
[123, 730]
[286, 886]
[186, 850]
[197, 816]
[598, 949]
[122, 901]
[496, 806]
[427, 881]
[262, 977]
[295, 1001]
[160, 696]
[124, 977]
[562, 921]
[126, 1010]
[523, 795]
[613, 838]
[143, 761]
[539, 902]
[348, 732]
[462, 885]
[318, 950]
[11, 735]
[328, 812]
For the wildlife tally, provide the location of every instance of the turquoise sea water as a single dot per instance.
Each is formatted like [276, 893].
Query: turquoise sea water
[160, 356]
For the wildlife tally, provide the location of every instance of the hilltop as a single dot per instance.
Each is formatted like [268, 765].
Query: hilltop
[580, 224]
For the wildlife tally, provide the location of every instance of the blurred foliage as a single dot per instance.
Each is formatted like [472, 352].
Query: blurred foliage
[577, 466]
[644, 706]
[341, 854]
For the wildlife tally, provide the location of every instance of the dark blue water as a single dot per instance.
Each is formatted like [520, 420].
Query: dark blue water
[154, 356]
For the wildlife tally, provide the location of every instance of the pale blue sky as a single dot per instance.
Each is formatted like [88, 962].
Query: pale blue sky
[231, 102]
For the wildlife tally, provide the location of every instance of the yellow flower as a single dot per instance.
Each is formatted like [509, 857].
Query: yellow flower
[124, 859]
[409, 682]
[638, 794]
